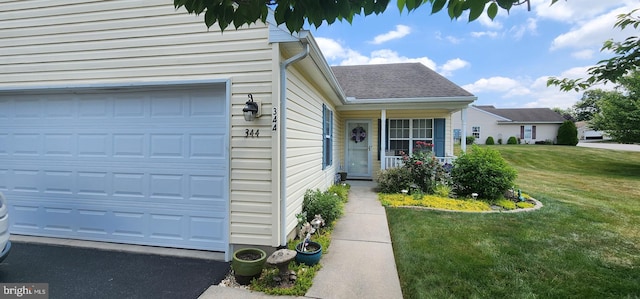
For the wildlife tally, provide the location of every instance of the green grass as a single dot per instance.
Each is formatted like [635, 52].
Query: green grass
[584, 242]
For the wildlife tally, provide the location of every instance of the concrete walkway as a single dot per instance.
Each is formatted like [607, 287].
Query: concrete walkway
[360, 261]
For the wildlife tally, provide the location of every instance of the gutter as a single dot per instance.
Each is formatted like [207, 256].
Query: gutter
[283, 135]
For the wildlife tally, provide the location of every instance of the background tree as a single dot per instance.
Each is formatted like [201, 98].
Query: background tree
[294, 13]
[626, 59]
[619, 113]
[567, 133]
[587, 107]
[568, 114]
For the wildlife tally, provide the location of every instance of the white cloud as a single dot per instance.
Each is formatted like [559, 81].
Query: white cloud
[583, 54]
[593, 32]
[519, 31]
[550, 97]
[452, 39]
[479, 34]
[400, 32]
[452, 65]
[485, 21]
[337, 54]
[504, 85]
[574, 12]
[387, 56]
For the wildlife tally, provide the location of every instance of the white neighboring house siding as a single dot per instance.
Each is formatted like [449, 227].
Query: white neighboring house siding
[543, 131]
[487, 122]
[62, 43]
[305, 143]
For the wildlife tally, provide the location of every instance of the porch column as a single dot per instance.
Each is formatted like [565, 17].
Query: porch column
[463, 138]
[383, 138]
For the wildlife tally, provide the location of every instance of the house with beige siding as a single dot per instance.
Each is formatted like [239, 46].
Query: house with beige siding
[526, 124]
[124, 122]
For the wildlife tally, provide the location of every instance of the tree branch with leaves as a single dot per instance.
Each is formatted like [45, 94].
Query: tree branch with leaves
[626, 59]
[294, 13]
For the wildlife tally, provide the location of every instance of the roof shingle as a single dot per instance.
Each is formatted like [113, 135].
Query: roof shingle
[525, 114]
[395, 81]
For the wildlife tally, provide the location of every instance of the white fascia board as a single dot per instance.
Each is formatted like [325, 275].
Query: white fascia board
[452, 104]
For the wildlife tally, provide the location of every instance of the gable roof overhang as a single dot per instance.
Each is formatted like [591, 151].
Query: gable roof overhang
[317, 70]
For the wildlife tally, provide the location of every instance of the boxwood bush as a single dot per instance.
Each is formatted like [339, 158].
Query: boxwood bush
[482, 171]
[512, 140]
[567, 133]
[489, 141]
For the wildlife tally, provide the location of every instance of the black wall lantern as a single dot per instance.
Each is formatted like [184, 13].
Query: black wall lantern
[251, 109]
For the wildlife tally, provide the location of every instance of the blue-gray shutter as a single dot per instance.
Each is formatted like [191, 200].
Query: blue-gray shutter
[324, 136]
[439, 136]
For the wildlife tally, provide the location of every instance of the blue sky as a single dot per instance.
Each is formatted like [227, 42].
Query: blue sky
[504, 62]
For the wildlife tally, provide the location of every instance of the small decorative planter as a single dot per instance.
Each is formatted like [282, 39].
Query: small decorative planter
[343, 176]
[247, 264]
[311, 255]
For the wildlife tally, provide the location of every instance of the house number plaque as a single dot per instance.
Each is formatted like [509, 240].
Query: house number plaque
[275, 119]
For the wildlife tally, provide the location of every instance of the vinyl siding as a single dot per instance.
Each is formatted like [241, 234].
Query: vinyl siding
[67, 43]
[305, 142]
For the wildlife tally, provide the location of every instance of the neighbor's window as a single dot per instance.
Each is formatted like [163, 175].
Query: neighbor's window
[528, 130]
[405, 133]
[475, 132]
[327, 133]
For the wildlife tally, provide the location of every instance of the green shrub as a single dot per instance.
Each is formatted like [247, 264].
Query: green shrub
[341, 190]
[393, 180]
[512, 140]
[442, 190]
[489, 141]
[327, 204]
[482, 171]
[470, 139]
[567, 133]
[499, 140]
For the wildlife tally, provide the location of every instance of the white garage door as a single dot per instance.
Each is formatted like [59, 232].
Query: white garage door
[132, 165]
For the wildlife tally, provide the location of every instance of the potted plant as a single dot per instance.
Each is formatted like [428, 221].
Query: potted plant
[308, 252]
[247, 264]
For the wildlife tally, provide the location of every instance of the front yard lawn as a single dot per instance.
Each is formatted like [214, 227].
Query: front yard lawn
[584, 242]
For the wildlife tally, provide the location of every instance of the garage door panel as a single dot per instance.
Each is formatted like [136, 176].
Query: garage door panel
[135, 166]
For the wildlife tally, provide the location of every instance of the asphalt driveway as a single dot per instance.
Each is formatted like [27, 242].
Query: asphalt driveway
[76, 272]
[611, 146]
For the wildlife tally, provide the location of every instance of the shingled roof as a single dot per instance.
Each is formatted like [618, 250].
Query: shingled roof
[395, 81]
[530, 115]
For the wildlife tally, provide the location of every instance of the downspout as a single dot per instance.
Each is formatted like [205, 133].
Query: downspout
[283, 138]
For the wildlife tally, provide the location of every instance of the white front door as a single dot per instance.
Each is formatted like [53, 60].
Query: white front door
[358, 156]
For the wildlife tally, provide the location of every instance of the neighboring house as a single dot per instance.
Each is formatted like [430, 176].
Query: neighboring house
[527, 124]
[586, 133]
[122, 121]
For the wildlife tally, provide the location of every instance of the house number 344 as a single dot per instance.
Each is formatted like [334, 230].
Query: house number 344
[275, 119]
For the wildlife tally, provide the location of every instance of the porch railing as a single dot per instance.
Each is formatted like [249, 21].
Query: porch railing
[396, 161]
